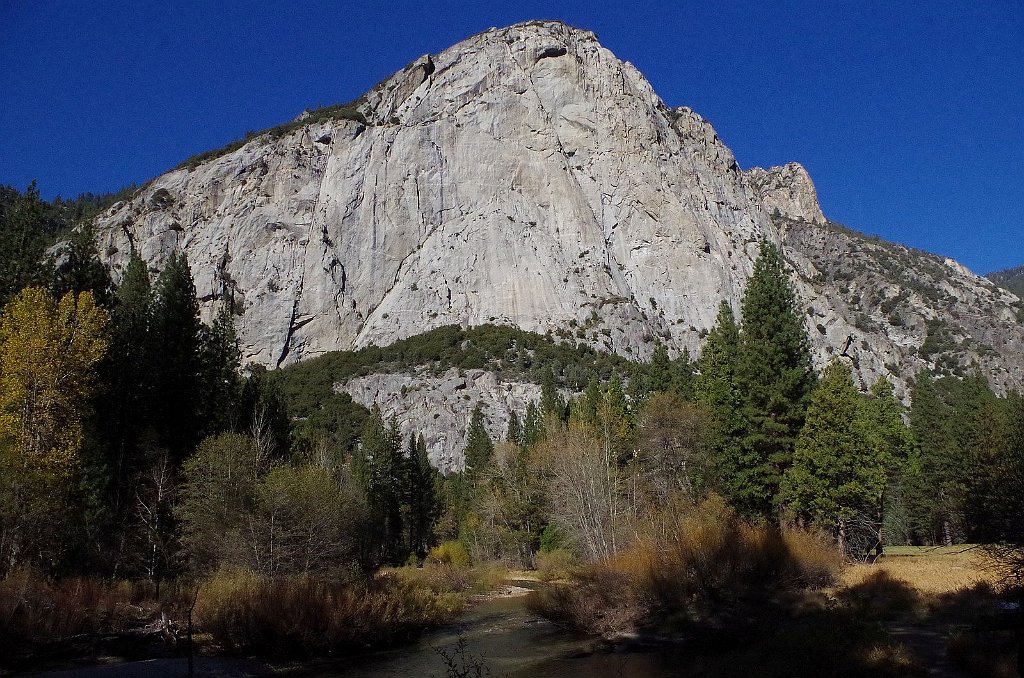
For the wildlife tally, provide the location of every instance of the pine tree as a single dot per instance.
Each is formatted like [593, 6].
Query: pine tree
[659, 371]
[424, 503]
[889, 446]
[683, 375]
[479, 448]
[221, 382]
[584, 409]
[533, 425]
[832, 482]
[615, 418]
[263, 412]
[82, 271]
[997, 501]
[947, 417]
[176, 334]
[23, 245]
[551, 403]
[714, 387]
[774, 376]
[380, 470]
[515, 430]
[126, 414]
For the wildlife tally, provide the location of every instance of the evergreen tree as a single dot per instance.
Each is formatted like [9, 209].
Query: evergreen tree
[997, 501]
[262, 412]
[23, 244]
[551, 402]
[424, 502]
[615, 420]
[836, 480]
[948, 416]
[714, 387]
[584, 410]
[659, 371]
[774, 375]
[533, 425]
[380, 470]
[176, 333]
[221, 381]
[683, 375]
[81, 270]
[515, 430]
[479, 447]
[125, 413]
[890, 446]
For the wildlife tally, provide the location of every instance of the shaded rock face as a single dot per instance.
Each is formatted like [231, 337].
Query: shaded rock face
[440, 406]
[524, 176]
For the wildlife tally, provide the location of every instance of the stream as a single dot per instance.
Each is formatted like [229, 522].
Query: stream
[499, 634]
[507, 640]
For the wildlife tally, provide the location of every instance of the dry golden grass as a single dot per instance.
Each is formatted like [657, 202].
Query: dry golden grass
[714, 569]
[931, 571]
[302, 616]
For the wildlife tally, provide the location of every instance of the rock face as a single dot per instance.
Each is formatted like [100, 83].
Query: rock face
[1011, 279]
[527, 176]
[787, 191]
[439, 407]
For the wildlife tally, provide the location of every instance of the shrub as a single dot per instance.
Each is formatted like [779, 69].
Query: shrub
[556, 564]
[713, 568]
[449, 553]
[36, 611]
[303, 616]
[448, 578]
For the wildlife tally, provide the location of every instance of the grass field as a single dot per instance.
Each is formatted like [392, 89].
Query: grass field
[947, 593]
[931, 570]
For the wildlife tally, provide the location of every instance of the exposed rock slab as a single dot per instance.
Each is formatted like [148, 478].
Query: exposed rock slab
[439, 406]
[524, 176]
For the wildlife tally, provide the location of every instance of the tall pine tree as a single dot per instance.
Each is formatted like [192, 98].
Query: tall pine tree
[774, 375]
[479, 447]
[176, 333]
[22, 244]
[714, 387]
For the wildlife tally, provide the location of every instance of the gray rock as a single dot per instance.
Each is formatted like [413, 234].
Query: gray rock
[439, 406]
[524, 176]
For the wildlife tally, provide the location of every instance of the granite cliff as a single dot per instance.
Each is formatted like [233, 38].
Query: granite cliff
[527, 176]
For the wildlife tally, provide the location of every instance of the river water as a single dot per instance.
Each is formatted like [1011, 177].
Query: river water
[506, 640]
[499, 634]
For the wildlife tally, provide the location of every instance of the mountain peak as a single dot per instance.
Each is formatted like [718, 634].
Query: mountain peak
[525, 176]
[787, 190]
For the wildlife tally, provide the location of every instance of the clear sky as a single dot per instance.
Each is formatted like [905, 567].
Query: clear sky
[909, 116]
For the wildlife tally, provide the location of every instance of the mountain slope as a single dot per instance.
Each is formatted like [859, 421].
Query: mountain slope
[525, 176]
[1011, 279]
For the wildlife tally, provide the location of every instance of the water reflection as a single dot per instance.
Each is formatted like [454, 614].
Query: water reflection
[508, 641]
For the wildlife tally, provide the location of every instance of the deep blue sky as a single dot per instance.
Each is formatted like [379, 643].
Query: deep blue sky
[910, 121]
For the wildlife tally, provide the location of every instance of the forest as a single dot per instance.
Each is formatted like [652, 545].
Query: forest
[141, 461]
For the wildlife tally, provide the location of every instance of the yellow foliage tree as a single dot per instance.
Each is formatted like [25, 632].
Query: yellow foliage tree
[48, 354]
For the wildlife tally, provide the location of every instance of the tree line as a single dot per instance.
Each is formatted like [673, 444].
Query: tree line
[752, 422]
[133, 444]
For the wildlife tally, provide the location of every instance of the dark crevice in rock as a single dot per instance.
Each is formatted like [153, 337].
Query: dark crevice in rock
[549, 52]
